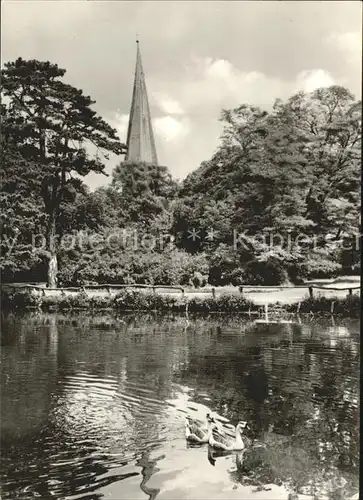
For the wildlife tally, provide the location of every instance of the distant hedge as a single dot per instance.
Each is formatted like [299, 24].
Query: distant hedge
[136, 300]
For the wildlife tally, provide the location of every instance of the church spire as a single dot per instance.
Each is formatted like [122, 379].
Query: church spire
[140, 137]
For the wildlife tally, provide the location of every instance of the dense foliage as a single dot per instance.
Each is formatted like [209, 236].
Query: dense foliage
[52, 126]
[283, 188]
[277, 202]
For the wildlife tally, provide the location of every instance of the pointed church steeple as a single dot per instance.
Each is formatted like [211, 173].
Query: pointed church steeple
[140, 137]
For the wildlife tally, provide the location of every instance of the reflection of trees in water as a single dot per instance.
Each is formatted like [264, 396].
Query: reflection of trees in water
[83, 470]
[279, 382]
[148, 468]
[337, 399]
[285, 463]
[287, 379]
[68, 360]
[28, 376]
[39, 456]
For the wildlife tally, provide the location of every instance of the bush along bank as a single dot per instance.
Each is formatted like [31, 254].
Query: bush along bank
[346, 306]
[25, 299]
[136, 300]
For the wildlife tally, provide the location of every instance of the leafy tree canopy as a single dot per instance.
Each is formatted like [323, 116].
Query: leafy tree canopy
[52, 126]
[293, 171]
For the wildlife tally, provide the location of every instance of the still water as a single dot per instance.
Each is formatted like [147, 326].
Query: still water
[94, 407]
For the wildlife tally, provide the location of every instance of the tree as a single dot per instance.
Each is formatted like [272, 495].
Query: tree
[21, 215]
[130, 220]
[329, 120]
[146, 190]
[57, 131]
[285, 174]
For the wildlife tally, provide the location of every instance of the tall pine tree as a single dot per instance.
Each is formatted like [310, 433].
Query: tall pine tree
[58, 135]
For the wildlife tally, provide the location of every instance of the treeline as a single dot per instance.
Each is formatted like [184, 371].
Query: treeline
[278, 202]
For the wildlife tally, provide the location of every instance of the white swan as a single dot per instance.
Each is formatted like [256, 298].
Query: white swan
[194, 433]
[227, 443]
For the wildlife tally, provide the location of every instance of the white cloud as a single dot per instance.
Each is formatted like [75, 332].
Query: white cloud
[309, 44]
[187, 131]
[310, 80]
[170, 129]
[219, 68]
[350, 43]
[120, 123]
[168, 105]
[210, 84]
[207, 86]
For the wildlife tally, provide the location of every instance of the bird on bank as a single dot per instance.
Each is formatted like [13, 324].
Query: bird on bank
[225, 442]
[195, 433]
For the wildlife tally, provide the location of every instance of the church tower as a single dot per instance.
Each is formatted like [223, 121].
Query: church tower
[140, 137]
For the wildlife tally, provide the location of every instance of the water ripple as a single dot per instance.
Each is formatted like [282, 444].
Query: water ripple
[87, 415]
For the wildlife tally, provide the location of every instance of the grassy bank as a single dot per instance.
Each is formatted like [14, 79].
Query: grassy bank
[136, 300]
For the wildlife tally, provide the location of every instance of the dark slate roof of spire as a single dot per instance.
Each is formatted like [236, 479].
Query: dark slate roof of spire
[140, 137]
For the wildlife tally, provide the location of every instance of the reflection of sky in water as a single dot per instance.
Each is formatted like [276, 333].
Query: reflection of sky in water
[119, 418]
[100, 408]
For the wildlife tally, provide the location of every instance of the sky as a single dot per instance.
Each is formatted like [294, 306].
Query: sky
[198, 58]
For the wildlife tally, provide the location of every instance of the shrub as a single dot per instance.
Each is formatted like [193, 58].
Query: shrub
[170, 267]
[103, 302]
[224, 266]
[233, 303]
[49, 302]
[19, 299]
[198, 280]
[222, 303]
[146, 300]
[236, 277]
[266, 272]
[347, 306]
[80, 301]
[202, 304]
[351, 306]
[319, 267]
[131, 299]
[139, 300]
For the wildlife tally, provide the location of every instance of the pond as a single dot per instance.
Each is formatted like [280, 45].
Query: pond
[94, 406]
